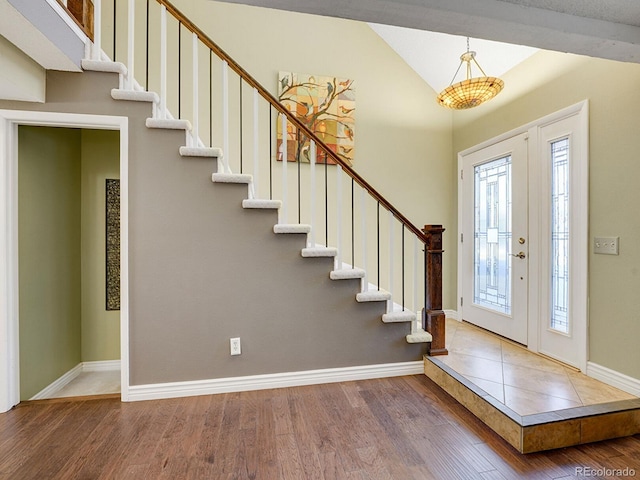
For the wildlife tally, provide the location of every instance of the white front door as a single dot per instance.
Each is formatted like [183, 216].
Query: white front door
[523, 209]
[494, 238]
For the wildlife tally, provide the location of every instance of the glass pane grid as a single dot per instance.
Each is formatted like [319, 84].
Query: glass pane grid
[492, 235]
[560, 235]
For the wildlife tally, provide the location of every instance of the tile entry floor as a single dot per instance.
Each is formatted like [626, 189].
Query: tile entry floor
[91, 383]
[524, 382]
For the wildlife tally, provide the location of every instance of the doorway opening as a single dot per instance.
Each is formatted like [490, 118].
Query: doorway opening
[69, 339]
[523, 222]
[11, 121]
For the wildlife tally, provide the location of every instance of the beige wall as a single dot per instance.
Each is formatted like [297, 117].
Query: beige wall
[614, 103]
[20, 77]
[49, 260]
[403, 138]
[100, 150]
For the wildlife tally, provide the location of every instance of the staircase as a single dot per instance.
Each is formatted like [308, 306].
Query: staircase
[372, 279]
[369, 293]
[130, 90]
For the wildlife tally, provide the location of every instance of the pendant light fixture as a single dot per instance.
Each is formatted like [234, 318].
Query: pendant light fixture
[473, 91]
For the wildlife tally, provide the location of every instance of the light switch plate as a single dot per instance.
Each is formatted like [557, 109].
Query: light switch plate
[606, 245]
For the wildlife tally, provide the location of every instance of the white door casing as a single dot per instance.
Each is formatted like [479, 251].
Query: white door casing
[572, 123]
[9, 294]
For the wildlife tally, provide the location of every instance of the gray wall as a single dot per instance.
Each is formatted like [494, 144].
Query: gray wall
[203, 270]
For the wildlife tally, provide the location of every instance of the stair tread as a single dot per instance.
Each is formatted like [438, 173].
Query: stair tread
[419, 336]
[101, 66]
[347, 273]
[261, 203]
[373, 296]
[168, 123]
[231, 178]
[291, 228]
[395, 317]
[310, 252]
[200, 152]
[134, 95]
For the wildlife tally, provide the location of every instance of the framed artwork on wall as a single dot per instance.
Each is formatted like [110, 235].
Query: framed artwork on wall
[326, 105]
[112, 228]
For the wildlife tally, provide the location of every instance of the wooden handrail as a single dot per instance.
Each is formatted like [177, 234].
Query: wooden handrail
[278, 106]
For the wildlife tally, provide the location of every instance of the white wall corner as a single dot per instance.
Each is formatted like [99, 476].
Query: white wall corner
[615, 379]
[453, 314]
[101, 366]
[59, 383]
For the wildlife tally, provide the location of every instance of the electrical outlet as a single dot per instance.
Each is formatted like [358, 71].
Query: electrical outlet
[606, 245]
[234, 344]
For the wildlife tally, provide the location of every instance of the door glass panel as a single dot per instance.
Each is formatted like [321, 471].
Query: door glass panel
[560, 235]
[492, 235]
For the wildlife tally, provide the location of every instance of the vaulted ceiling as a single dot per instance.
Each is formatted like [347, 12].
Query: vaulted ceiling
[599, 28]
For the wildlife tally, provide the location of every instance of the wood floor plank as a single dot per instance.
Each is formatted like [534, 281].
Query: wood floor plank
[229, 436]
[266, 439]
[288, 457]
[90, 460]
[159, 446]
[402, 428]
[205, 450]
[393, 431]
[305, 440]
[50, 444]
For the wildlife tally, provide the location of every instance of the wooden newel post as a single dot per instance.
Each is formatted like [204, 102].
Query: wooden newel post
[433, 318]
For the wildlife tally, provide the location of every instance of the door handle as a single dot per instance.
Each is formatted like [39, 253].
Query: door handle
[519, 255]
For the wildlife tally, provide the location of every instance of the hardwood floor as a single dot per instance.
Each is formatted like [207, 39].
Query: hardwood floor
[397, 428]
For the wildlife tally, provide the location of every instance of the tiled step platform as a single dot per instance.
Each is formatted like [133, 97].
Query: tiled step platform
[534, 403]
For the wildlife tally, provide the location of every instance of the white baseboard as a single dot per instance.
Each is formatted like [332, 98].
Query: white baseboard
[59, 383]
[273, 380]
[452, 314]
[615, 379]
[99, 366]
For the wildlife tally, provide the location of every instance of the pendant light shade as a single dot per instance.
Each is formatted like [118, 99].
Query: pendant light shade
[473, 91]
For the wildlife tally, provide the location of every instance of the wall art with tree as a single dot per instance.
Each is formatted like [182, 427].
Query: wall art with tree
[326, 105]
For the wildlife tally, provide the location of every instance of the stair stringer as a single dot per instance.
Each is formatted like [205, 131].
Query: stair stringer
[164, 120]
[200, 272]
[395, 313]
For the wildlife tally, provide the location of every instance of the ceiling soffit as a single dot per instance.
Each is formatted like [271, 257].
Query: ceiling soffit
[603, 28]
